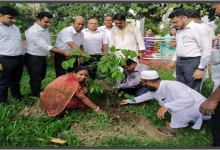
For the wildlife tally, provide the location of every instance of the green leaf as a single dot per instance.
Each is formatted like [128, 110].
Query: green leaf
[71, 61]
[112, 49]
[92, 89]
[133, 54]
[120, 94]
[124, 52]
[65, 65]
[122, 62]
[131, 97]
[127, 95]
[118, 76]
[114, 74]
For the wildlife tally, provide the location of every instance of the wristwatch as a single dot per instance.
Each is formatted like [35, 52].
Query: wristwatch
[202, 69]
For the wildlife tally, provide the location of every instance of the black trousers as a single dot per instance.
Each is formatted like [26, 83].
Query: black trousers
[10, 77]
[134, 91]
[94, 58]
[215, 121]
[58, 60]
[36, 67]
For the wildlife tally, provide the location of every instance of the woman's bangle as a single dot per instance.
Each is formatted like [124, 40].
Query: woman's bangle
[97, 108]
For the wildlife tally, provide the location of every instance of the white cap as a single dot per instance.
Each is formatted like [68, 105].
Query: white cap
[149, 75]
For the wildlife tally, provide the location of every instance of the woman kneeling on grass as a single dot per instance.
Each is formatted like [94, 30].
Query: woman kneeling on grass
[67, 92]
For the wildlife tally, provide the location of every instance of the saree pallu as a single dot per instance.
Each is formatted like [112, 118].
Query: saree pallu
[58, 94]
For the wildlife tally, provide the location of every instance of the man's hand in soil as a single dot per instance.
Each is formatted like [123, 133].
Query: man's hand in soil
[161, 112]
[124, 102]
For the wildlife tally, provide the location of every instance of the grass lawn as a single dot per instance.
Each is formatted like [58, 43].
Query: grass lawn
[121, 126]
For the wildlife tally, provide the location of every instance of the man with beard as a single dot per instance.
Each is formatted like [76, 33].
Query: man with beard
[193, 50]
[126, 36]
[69, 38]
[179, 100]
[212, 105]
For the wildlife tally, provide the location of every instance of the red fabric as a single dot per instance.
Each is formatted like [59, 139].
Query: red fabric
[57, 95]
[72, 104]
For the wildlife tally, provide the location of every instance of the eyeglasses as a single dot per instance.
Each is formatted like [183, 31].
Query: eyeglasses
[174, 23]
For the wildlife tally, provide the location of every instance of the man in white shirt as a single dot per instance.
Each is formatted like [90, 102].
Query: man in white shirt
[95, 43]
[11, 54]
[195, 16]
[69, 38]
[193, 50]
[126, 36]
[38, 47]
[178, 99]
[212, 105]
[108, 20]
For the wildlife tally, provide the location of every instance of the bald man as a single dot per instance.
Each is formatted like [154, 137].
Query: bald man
[95, 43]
[69, 38]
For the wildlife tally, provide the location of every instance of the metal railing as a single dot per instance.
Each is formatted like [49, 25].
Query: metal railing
[161, 51]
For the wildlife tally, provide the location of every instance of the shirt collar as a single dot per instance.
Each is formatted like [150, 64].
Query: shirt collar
[190, 25]
[87, 30]
[38, 27]
[73, 30]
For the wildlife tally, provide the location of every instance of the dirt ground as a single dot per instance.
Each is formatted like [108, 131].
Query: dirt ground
[122, 125]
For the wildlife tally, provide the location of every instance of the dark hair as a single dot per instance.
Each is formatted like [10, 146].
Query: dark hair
[149, 29]
[6, 10]
[153, 80]
[79, 68]
[129, 62]
[194, 14]
[119, 16]
[173, 28]
[107, 16]
[177, 13]
[41, 15]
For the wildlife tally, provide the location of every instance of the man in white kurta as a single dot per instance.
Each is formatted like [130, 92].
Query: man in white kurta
[126, 36]
[178, 99]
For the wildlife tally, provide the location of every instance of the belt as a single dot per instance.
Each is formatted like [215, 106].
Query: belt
[11, 56]
[187, 58]
[35, 55]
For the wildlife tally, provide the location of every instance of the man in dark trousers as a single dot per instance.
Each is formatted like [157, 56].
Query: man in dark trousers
[11, 54]
[38, 48]
[193, 52]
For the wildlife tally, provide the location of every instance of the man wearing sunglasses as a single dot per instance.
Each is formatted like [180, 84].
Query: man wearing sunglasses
[193, 50]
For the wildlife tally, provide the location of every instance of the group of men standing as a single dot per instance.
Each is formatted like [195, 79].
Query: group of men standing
[93, 40]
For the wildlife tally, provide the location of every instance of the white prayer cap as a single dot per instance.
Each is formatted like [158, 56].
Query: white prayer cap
[149, 75]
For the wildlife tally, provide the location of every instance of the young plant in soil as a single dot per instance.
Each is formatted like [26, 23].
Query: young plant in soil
[107, 74]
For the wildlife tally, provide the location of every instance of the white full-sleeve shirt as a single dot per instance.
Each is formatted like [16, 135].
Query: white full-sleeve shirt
[106, 31]
[68, 34]
[38, 41]
[193, 41]
[127, 38]
[93, 41]
[178, 98]
[10, 41]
